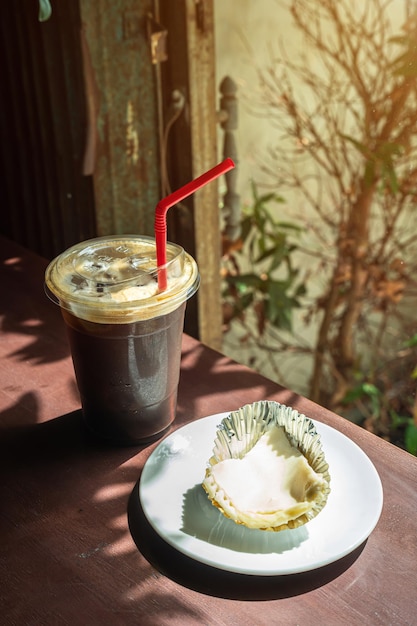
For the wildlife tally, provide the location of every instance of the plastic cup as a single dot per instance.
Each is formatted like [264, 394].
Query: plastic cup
[125, 335]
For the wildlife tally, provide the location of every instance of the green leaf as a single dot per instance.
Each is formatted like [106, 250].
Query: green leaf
[411, 342]
[277, 251]
[268, 197]
[279, 306]
[389, 149]
[301, 290]
[362, 148]
[398, 420]
[265, 254]
[245, 301]
[391, 179]
[353, 394]
[410, 438]
[254, 190]
[371, 390]
[245, 228]
[364, 389]
[245, 280]
[289, 226]
[279, 256]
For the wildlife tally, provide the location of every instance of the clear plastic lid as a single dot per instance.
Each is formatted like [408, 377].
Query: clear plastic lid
[114, 279]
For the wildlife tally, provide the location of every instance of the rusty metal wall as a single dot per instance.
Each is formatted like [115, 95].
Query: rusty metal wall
[121, 87]
[46, 202]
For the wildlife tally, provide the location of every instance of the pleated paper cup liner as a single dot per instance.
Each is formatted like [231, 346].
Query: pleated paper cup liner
[238, 433]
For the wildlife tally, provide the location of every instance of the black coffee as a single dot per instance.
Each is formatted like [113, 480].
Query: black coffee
[127, 375]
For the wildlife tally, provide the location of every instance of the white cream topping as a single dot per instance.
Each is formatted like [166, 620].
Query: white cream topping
[130, 294]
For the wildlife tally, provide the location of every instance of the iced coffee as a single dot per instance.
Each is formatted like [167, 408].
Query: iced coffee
[124, 334]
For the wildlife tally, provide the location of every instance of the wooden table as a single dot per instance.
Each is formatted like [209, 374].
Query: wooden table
[75, 546]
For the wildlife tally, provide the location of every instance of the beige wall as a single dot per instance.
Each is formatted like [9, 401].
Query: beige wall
[245, 33]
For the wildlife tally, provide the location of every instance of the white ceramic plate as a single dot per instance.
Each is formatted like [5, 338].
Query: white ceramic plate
[178, 509]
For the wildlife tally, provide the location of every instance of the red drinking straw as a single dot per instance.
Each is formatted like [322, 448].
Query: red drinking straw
[173, 198]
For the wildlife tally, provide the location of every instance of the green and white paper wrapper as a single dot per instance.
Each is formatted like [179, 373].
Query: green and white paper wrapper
[241, 429]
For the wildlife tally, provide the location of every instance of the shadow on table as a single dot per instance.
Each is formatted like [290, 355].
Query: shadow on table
[217, 582]
[63, 499]
[56, 443]
[34, 325]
